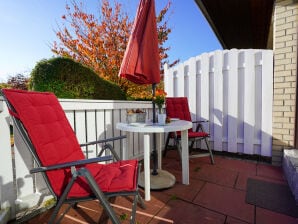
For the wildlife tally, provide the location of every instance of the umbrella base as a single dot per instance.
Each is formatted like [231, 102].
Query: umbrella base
[162, 180]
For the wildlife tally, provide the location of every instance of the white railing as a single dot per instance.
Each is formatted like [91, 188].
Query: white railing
[233, 89]
[90, 119]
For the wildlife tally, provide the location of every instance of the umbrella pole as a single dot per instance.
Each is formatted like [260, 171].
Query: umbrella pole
[154, 152]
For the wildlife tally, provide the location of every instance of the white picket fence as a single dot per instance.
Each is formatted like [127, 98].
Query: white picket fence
[233, 89]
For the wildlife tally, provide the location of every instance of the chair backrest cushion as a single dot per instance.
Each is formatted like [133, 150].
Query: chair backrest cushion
[47, 126]
[177, 107]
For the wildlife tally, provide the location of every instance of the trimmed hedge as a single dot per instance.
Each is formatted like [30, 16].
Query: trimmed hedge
[69, 79]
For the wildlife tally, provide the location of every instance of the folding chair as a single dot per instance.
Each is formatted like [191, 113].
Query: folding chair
[177, 107]
[71, 177]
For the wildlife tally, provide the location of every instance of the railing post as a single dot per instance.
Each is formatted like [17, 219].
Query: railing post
[7, 192]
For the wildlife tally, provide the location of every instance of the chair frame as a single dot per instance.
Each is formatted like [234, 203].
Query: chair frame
[177, 140]
[78, 172]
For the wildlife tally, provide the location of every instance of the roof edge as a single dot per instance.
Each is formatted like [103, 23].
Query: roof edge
[203, 9]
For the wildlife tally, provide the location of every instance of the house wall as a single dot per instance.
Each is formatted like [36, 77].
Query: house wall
[284, 90]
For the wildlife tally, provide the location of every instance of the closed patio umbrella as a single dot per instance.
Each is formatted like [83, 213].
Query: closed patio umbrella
[141, 62]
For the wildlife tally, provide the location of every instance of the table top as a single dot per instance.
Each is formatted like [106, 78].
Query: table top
[177, 125]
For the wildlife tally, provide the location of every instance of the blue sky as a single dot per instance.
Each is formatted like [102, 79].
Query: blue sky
[28, 30]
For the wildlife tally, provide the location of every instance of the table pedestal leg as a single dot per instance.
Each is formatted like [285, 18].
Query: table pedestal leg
[147, 166]
[185, 157]
[158, 147]
[162, 180]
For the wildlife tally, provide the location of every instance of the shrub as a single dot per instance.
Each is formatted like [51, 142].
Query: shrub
[69, 79]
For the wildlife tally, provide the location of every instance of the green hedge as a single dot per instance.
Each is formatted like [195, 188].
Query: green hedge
[69, 79]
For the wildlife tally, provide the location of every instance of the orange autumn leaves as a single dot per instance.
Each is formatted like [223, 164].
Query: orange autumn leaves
[100, 43]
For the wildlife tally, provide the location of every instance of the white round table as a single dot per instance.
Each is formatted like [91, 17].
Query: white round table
[179, 125]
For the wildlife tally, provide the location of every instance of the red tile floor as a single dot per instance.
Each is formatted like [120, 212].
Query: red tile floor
[216, 194]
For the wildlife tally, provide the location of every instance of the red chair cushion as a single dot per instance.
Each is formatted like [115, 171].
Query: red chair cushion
[55, 142]
[177, 107]
[114, 177]
[192, 134]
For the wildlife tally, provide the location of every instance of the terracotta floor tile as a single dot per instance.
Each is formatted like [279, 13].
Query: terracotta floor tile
[205, 159]
[231, 220]
[41, 219]
[226, 201]
[214, 174]
[180, 212]
[171, 164]
[264, 216]
[238, 165]
[268, 171]
[158, 201]
[171, 154]
[242, 180]
[185, 192]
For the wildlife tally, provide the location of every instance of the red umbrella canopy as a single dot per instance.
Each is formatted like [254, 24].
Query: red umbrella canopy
[141, 62]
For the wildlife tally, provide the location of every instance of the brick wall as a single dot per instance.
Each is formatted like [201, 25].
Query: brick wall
[285, 52]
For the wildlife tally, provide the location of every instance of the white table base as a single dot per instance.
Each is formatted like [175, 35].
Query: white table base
[162, 180]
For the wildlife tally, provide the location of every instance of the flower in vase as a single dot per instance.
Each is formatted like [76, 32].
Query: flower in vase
[159, 98]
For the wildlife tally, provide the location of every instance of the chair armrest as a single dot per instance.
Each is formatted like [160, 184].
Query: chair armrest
[199, 125]
[106, 145]
[70, 164]
[103, 140]
[201, 121]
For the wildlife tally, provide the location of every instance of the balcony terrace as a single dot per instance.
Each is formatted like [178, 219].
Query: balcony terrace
[216, 194]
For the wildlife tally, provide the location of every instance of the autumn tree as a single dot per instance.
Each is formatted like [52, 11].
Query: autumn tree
[18, 81]
[100, 43]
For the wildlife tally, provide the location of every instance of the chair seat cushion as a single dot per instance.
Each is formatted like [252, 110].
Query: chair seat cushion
[197, 134]
[192, 134]
[113, 177]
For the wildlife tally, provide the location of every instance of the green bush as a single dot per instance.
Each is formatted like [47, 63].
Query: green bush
[69, 79]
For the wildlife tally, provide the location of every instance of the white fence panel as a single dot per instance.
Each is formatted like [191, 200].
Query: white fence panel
[266, 109]
[249, 102]
[7, 192]
[233, 90]
[217, 95]
[231, 62]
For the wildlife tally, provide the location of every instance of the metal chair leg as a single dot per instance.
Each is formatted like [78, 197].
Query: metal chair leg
[99, 195]
[62, 199]
[134, 209]
[110, 147]
[210, 152]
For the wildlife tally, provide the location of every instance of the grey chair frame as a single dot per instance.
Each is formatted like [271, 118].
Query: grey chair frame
[177, 144]
[81, 172]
